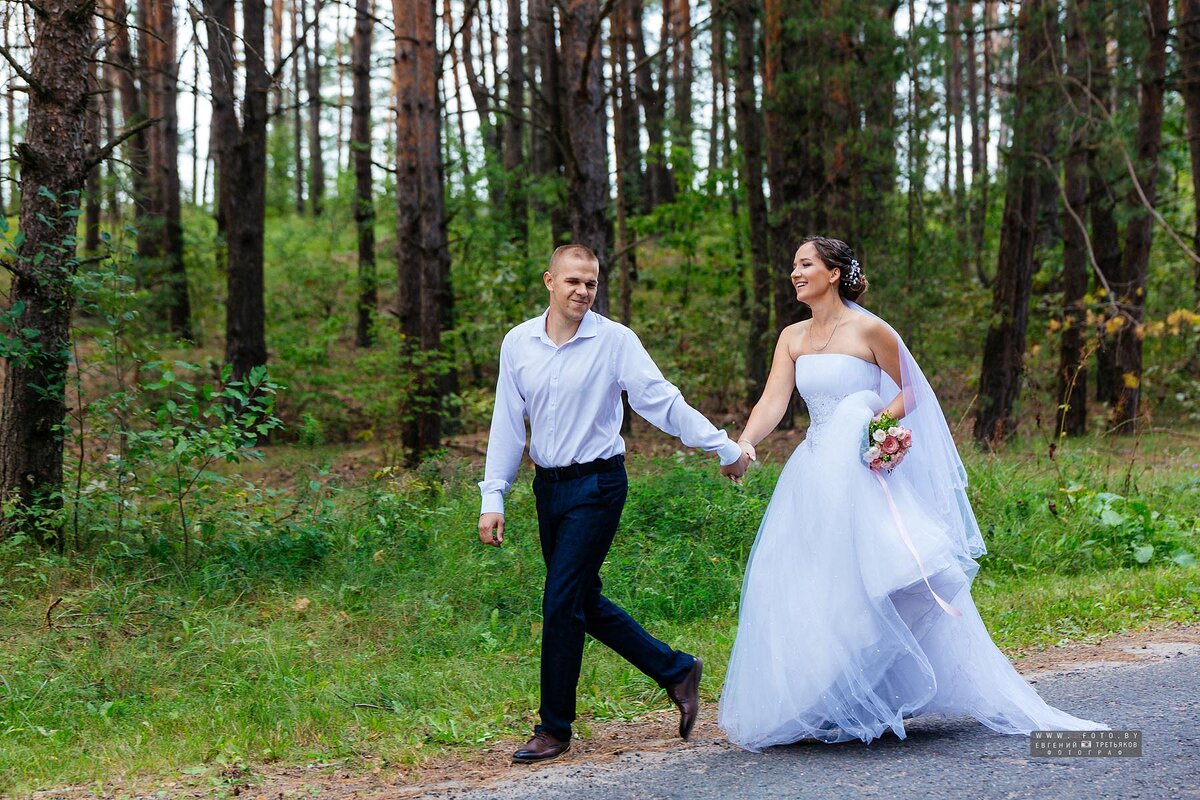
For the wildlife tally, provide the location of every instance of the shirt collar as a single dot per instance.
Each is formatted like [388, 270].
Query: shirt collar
[588, 328]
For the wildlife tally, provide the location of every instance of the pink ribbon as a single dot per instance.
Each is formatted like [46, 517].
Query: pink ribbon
[887, 493]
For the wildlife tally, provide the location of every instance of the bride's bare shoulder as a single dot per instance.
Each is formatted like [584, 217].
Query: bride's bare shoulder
[870, 327]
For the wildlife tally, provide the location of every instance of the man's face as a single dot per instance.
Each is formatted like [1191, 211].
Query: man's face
[572, 286]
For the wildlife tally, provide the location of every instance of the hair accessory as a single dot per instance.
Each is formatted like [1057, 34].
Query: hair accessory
[853, 276]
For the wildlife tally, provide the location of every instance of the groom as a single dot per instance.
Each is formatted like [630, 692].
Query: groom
[565, 371]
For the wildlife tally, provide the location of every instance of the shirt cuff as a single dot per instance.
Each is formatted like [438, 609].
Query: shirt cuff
[493, 503]
[729, 452]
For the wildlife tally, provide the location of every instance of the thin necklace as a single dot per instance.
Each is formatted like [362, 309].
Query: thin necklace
[832, 332]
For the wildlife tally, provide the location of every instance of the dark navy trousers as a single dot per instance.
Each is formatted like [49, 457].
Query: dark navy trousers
[577, 519]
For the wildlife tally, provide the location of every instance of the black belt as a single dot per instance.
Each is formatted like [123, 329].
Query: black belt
[611, 464]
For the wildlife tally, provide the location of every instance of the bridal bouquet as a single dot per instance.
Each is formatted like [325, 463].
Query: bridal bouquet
[887, 443]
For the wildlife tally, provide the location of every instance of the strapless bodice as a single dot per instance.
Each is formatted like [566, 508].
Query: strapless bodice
[825, 379]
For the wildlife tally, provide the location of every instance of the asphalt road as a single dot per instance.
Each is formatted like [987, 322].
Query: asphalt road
[941, 758]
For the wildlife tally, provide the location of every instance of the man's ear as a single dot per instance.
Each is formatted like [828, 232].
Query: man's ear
[547, 278]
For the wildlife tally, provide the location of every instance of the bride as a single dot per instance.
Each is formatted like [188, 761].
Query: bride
[856, 610]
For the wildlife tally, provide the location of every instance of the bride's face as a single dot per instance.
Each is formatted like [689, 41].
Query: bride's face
[810, 277]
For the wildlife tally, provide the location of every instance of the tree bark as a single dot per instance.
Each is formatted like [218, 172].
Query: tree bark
[586, 145]
[682, 78]
[33, 399]
[1072, 372]
[979, 221]
[422, 255]
[316, 157]
[750, 136]
[514, 130]
[549, 136]
[1131, 288]
[628, 155]
[241, 156]
[954, 87]
[297, 126]
[1105, 170]
[720, 80]
[1189, 58]
[794, 152]
[162, 91]
[92, 134]
[360, 149]
[659, 182]
[974, 120]
[476, 81]
[1004, 349]
[276, 54]
[133, 113]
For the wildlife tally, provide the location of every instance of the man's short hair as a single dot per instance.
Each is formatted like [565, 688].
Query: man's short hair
[572, 252]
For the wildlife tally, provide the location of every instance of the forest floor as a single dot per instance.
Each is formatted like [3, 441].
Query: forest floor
[472, 771]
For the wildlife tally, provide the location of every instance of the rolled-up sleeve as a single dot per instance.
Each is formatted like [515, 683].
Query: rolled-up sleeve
[662, 404]
[506, 441]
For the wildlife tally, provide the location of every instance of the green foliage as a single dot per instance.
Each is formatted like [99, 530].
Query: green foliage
[305, 600]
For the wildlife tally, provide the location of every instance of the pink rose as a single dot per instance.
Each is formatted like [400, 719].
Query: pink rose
[890, 445]
[877, 464]
[907, 439]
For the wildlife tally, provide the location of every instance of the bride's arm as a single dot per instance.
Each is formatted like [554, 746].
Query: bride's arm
[774, 401]
[887, 356]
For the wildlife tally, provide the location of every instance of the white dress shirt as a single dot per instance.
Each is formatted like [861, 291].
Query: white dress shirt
[572, 398]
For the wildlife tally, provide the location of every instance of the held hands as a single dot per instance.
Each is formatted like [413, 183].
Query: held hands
[491, 528]
[737, 469]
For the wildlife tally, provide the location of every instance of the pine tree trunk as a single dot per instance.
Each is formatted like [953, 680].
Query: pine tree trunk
[514, 130]
[1131, 287]
[549, 135]
[92, 134]
[719, 80]
[32, 401]
[133, 113]
[750, 137]
[1004, 349]
[316, 158]
[795, 154]
[628, 156]
[297, 126]
[978, 154]
[163, 95]
[1072, 370]
[1105, 170]
[474, 29]
[954, 26]
[979, 222]
[111, 200]
[9, 169]
[422, 255]
[682, 78]
[586, 149]
[276, 54]
[241, 155]
[659, 184]
[1189, 58]
[360, 149]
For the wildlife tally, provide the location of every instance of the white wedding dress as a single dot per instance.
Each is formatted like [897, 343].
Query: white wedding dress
[839, 636]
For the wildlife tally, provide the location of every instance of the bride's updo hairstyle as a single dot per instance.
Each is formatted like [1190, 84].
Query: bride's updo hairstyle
[836, 254]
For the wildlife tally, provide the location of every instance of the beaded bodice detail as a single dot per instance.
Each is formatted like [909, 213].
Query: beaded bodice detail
[825, 379]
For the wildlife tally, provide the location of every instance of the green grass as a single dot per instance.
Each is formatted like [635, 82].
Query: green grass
[376, 591]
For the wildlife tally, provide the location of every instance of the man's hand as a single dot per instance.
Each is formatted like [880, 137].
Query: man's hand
[491, 529]
[734, 471]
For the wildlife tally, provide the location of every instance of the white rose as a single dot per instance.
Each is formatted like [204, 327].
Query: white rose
[879, 436]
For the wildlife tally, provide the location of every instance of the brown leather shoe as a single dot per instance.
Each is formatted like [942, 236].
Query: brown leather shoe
[686, 695]
[542, 747]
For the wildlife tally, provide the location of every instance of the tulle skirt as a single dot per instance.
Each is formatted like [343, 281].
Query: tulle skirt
[839, 637]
